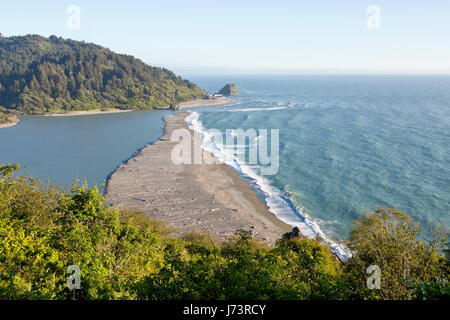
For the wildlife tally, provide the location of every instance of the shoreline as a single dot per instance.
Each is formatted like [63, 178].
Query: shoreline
[10, 124]
[183, 105]
[204, 103]
[68, 114]
[284, 209]
[199, 197]
[82, 113]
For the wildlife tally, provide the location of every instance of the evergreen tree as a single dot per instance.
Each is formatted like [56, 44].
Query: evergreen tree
[73, 75]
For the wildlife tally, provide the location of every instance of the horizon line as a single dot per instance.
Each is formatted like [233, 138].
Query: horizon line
[308, 74]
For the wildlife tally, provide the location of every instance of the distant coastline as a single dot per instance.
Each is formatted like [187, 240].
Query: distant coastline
[68, 114]
[82, 113]
[183, 105]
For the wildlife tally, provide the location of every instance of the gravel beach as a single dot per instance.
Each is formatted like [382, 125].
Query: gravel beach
[190, 197]
[220, 101]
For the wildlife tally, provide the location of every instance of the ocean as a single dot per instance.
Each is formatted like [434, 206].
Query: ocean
[347, 144]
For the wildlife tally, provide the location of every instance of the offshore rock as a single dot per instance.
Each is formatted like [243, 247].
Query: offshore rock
[230, 89]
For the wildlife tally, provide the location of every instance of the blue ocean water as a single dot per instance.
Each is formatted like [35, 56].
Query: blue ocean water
[349, 144]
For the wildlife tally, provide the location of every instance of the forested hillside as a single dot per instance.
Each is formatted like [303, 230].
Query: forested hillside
[47, 75]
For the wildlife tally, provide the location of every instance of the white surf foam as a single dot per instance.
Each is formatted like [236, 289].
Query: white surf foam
[279, 204]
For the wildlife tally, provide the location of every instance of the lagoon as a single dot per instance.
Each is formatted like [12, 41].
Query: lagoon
[78, 147]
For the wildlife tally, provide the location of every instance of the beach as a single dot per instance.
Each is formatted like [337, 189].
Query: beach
[69, 114]
[190, 197]
[10, 124]
[89, 112]
[220, 101]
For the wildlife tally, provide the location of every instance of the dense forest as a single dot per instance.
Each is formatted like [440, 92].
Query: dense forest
[41, 75]
[7, 116]
[125, 255]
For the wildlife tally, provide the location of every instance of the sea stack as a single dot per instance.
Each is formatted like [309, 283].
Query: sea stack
[230, 89]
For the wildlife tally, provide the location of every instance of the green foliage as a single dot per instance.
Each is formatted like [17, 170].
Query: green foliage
[29, 266]
[243, 268]
[313, 272]
[7, 170]
[447, 252]
[43, 230]
[7, 116]
[389, 239]
[438, 290]
[50, 75]
[125, 255]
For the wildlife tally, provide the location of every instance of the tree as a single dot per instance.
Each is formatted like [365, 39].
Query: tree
[85, 75]
[125, 255]
[390, 240]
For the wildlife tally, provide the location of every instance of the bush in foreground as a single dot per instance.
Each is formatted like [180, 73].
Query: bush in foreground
[125, 255]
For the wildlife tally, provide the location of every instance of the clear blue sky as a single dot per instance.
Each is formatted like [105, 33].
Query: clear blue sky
[193, 36]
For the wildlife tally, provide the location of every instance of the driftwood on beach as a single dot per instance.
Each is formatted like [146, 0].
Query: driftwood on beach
[197, 197]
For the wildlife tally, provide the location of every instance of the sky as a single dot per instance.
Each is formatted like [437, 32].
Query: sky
[247, 36]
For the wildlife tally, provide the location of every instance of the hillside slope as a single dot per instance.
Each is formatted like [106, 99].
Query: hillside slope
[41, 75]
